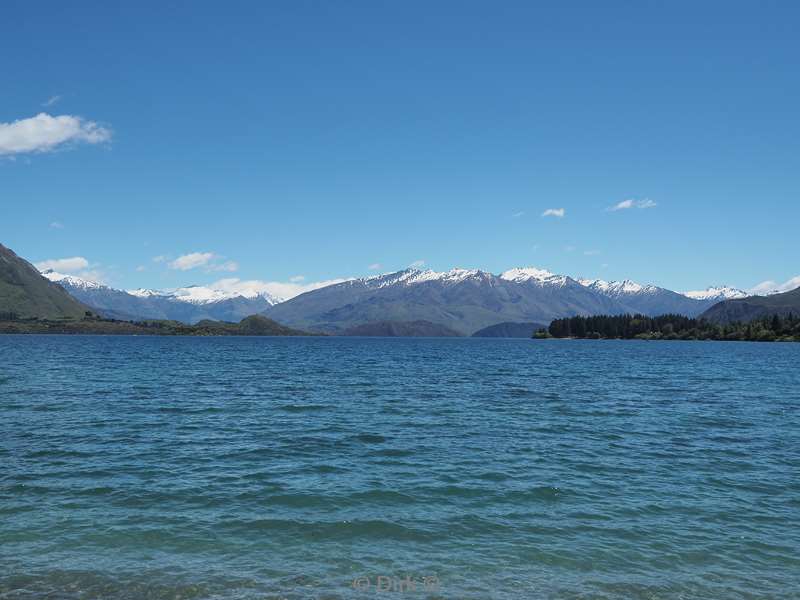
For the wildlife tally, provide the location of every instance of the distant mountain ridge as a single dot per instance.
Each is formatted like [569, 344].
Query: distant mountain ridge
[754, 307]
[653, 300]
[188, 305]
[717, 293]
[468, 300]
[464, 300]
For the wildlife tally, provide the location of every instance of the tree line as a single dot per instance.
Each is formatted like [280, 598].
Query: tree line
[673, 327]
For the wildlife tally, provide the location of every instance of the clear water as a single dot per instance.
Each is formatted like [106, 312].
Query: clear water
[291, 468]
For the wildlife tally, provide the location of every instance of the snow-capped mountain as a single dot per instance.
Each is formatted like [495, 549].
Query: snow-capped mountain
[469, 299]
[619, 289]
[72, 280]
[410, 277]
[465, 300]
[649, 299]
[187, 304]
[198, 294]
[717, 293]
[533, 275]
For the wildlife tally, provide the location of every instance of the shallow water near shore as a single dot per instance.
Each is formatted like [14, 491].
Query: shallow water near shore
[136, 467]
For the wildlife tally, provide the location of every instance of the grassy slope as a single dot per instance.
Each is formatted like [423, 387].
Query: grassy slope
[25, 292]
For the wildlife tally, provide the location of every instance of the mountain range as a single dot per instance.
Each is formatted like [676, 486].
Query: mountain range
[188, 305]
[463, 300]
[406, 302]
[468, 300]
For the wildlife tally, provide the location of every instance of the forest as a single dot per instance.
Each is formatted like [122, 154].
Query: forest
[673, 327]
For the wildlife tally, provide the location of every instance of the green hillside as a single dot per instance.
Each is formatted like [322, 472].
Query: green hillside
[24, 293]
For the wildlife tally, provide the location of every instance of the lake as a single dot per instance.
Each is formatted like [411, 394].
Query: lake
[222, 468]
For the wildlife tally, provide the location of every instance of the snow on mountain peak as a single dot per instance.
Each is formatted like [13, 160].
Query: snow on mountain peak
[145, 293]
[721, 292]
[198, 294]
[225, 289]
[72, 280]
[617, 288]
[542, 276]
[415, 276]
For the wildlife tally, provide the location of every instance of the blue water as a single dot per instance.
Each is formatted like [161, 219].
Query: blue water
[150, 468]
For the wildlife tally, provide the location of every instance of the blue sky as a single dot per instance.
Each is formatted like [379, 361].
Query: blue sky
[314, 140]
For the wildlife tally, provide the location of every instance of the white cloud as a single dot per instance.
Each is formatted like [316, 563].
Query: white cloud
[297, 278]
[141, 268]
[56, 225]
[63, 265]
[279, 289]
[569, 248]
[769, 286]
[44, 133]
[554, 212]
[159, 259]
[191, 261]
[517, 215]
[52, 100]
[208, 260]
[632, 203]
[591, 252]
[417, 264]
[374, 266]
[228, 265]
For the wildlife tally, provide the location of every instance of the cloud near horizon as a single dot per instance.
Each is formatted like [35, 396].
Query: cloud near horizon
[76, 266]
[554, 212]
[63, 265]
[45, 133]
[192, 260]
[773, 286]
[279, 289]
[632, 203]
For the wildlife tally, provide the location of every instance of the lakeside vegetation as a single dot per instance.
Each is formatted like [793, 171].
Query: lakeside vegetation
[93, 325]
[775, 328]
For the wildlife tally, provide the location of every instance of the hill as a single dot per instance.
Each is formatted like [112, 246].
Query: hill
[251, 326]
[24, 293]
[401, 329]
[510, 330]
[754, 307]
